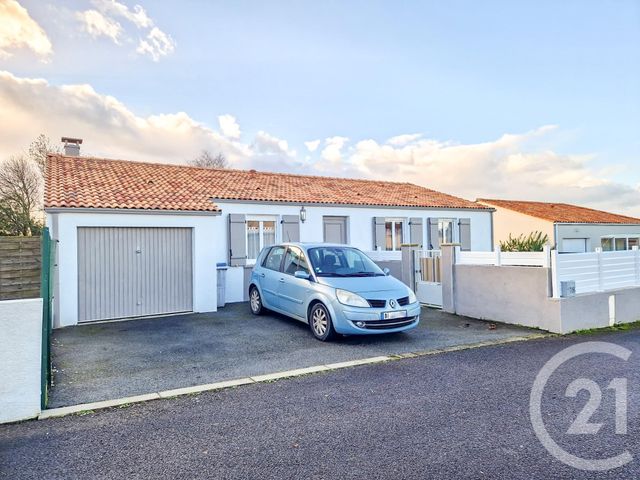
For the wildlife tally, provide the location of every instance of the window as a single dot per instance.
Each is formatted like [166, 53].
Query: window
[274, 259]
[342, 262]
[623, 242]
[393, 234]
[261, 233]
[295, 261]
[445, 230]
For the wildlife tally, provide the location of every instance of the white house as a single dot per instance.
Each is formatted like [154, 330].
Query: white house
[573, 229]
[136, 239]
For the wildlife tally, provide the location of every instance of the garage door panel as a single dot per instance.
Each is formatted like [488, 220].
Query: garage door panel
[127, 272]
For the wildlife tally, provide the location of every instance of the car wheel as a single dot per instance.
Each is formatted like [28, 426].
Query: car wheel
[255, 301]
[320, 323]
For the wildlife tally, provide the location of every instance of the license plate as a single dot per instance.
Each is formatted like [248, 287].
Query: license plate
[395, 314]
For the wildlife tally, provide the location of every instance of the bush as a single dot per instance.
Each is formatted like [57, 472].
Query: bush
[534, 242]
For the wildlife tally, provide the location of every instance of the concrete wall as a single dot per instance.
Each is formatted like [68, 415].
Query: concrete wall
[507, 222]
[20, 359]
[593, 233]
[518, 295]
[522, 296]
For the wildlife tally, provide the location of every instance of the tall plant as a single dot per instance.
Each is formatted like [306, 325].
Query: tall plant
[534, 242]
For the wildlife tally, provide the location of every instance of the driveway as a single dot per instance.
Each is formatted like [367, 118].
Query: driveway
[119, 359]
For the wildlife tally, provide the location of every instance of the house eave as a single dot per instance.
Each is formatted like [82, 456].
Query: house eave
[135, 211]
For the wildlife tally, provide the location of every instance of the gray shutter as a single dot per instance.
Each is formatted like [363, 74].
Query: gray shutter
[434, 236]
[379, 239]
[290, 228]
[237, 240]
[465, 233]
[415, 231]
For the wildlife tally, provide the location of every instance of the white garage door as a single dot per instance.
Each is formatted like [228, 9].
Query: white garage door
[131, 272]
[574, 245]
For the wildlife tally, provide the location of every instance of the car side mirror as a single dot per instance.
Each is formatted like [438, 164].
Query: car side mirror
[386, 271]
[301, 274]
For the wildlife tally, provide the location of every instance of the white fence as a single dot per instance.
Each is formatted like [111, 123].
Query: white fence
[384, 256]
[428, 277]
[597, 271]
[498, 258]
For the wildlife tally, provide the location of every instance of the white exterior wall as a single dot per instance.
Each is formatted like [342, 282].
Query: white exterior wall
[20, 359]
[210, 237]
[206, 236]
[593, 233]
[359, 229]
[507, 222]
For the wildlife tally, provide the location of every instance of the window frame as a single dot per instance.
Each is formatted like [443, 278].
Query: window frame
[261, 219]
[452, 222]
[614, 240]
[394, 221]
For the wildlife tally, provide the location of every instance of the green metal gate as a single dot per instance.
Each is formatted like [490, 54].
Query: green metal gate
[46, 292]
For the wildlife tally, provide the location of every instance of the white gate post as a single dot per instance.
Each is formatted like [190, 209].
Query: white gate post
[498, 260]
[636, 262]
[555, 284]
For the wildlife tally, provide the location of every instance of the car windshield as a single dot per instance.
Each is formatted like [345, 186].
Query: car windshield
[342, 262]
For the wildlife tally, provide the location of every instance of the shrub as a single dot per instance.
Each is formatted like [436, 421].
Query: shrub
[534, 242]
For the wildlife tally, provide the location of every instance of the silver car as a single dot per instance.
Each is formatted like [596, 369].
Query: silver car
[333, 288]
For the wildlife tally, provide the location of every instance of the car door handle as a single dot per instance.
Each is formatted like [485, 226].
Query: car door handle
[282, 280]
[262, 275]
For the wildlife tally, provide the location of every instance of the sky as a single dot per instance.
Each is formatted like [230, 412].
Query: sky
[532, 100]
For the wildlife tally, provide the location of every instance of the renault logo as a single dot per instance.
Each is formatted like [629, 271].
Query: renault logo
[392, 303]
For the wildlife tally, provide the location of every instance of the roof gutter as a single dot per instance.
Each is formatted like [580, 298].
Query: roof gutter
[135, 211]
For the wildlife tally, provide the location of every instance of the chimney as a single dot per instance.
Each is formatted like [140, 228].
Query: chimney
[71, 146]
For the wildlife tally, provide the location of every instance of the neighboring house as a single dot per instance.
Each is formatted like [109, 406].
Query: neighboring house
[140, 239]
[571, 228]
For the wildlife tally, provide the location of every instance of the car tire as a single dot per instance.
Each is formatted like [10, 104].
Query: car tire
[320, 323]
[255, 301]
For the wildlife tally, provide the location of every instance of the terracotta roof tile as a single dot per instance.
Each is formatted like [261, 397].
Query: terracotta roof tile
[560, 212]
[100, 183]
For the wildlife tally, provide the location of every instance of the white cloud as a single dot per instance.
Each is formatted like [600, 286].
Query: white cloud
[229, 126]
[19, 30]
[157, 44]
[332, 152]
[103, 21]
[312, 145]
[400, 140]
[136, 15]
[96, 25]
[519, 166]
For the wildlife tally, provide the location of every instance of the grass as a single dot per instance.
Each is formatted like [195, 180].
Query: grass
[620, 327]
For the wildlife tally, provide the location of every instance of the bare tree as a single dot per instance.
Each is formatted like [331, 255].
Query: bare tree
[207, 160]
[20, 195]
[38, 150]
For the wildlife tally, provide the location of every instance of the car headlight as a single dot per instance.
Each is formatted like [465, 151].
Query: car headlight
[349, 298]
[412, 297]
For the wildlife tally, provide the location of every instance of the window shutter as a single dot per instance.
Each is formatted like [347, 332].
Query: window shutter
[378, 233]
[290, 228]
[415, 231]
[237, 240]
[465, 233]
[434, 236]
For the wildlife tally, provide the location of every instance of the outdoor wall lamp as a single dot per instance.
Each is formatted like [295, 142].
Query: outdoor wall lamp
[303, 214]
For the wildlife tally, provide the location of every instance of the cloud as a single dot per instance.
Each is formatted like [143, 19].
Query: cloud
[401, 140]
[312, 145]
[96, 25]
[332, 152]
[519, 166]
[157, 44]
[229, 126]
[19, 30]
[103, 21]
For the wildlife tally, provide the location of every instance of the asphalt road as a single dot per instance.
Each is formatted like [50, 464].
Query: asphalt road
[455, 415]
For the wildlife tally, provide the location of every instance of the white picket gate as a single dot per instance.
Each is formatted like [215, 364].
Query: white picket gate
[428, 275]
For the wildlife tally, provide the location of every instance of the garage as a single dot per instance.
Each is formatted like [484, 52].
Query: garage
[574, 245]
[133, 272]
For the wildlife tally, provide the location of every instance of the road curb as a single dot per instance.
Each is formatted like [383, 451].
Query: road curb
[270, 377]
